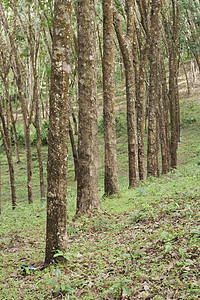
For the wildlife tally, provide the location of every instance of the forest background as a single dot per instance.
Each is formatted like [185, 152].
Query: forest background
[140, 230]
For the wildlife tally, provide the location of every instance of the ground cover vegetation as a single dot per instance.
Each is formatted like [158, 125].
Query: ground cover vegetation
[144, 245]
[99, 102]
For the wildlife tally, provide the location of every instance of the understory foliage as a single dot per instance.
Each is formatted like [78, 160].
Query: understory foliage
[144, 245]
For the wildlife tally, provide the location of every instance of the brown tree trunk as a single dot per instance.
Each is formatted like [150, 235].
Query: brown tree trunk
[139, 66]
[171, 27]
[26, 121]
[39, 152]
[6, 134]
[0, 184]
[173, 108]
[58, 131]
[74, 152]
[126, 44]
[87, 183]
[111, 185]
[152, 152]
[7, 144]
[13, 121]
[28, 162]
[36, 123]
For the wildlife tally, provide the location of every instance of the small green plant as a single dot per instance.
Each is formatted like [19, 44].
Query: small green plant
[195, 233]
[120, 287]
[182, 253]
[133, 255]
[61, 254]
[167, 238]
[62, 285]
[137, 216]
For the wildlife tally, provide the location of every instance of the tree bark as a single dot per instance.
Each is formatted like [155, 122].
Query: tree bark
[126, 44]
[152, 151]
[74, 152]
[111, 185]
[58, 131]
[87, 183]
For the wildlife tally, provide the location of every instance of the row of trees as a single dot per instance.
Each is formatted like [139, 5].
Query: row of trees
[38, 39]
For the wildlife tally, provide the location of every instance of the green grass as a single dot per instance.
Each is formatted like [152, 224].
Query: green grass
[145, 244]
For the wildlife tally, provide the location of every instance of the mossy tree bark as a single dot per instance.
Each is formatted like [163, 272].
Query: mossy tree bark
[58, 131]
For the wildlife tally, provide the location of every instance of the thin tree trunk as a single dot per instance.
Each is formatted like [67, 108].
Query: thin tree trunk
[186, 76]
[0, 184]
[126, 49]
[39, 152]
[74, 152]
[6, 135]
[15, 135]
[28, 162]
[10, 164]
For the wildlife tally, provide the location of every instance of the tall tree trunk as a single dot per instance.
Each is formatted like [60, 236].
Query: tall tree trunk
[58, 131]
[6, 136]
[13, 121]
[0, 183]
[36, 123]
[171, 27]
[39, 152]
[139, 66]
[27, 133]
[126, 44]
[74, 152]
[152, 152]
[111, 185]
[87, 184]
[27, 122]
[8, 149]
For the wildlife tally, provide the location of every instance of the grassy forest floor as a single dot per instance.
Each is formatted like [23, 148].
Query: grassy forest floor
[145, 245]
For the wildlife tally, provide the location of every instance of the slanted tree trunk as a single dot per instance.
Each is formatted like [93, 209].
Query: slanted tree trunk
[126, 44]
[58, 131]
[5, 119]
[16, 66]
[13, 121]
[111, 185]
[7, 144]
[87, 183]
